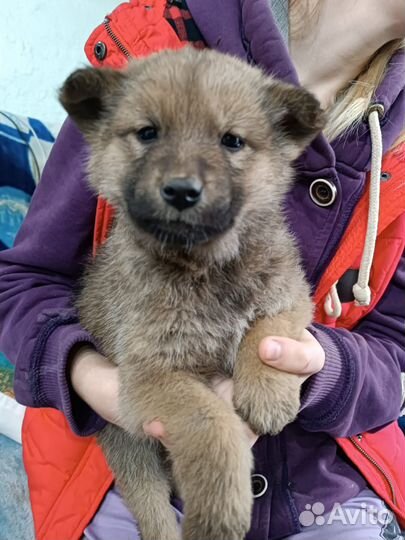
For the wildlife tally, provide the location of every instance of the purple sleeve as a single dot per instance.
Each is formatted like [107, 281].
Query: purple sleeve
[38, 325]
[359, 388]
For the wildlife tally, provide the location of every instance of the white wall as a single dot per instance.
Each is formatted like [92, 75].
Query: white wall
[41, 42]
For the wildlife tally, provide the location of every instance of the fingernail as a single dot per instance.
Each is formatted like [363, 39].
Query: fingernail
[271, 350]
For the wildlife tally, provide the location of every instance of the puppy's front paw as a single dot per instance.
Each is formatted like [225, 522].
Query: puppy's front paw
[269, 403]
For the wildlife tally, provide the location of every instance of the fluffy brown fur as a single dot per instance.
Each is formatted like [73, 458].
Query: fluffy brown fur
[172, 294]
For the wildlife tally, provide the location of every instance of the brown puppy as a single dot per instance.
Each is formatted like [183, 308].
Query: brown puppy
[193, 149]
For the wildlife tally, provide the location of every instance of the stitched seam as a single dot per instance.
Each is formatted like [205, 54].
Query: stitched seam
[39, 398]
[93, 506]
[286, 485]
[83, 461]
[246, 43]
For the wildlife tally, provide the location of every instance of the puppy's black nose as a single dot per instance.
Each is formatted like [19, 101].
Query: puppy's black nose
[182, 193]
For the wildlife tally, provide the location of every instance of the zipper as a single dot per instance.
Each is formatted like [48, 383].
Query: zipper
[115, 38]
[376, 465]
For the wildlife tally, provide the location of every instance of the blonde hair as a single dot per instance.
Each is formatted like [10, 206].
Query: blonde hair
[353, 101]
[400, 140]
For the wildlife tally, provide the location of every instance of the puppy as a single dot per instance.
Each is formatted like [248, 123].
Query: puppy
[193, 150]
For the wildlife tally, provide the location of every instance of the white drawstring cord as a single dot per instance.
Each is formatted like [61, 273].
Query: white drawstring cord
[361, 289]
[333, 305]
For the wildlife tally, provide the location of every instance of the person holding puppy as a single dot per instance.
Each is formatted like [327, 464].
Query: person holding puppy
[345, 447]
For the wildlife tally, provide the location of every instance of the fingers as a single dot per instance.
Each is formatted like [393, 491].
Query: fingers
[301, 357]
[156, 430]
[95, 379]
[224, 389]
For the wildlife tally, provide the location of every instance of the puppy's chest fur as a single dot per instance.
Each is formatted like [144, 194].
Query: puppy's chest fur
[156, 313]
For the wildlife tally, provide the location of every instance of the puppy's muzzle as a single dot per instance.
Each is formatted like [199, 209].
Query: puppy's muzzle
[182, 193]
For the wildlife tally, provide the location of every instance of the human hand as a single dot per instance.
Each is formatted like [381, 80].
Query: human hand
[303, 357]
[95, 379]
[224, 389]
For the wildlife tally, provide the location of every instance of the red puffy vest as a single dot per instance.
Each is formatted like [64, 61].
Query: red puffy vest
[68, 475]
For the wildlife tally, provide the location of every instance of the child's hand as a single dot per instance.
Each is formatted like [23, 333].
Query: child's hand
[224, 389]
[95, 380]
[303, 357]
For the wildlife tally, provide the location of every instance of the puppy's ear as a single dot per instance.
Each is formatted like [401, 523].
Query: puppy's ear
[86, 94]
[295, 114]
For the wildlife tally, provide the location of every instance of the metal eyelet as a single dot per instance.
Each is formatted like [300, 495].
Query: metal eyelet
[100, 50]
[323, 192]
[259, 485]
[385, 176]
[379, 107]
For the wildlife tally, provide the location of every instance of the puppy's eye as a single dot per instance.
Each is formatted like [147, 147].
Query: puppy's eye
[232, 142]
[147, 134]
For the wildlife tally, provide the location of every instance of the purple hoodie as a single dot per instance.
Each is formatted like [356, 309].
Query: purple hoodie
[39, 326]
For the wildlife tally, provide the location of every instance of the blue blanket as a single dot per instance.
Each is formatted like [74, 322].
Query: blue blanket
[25, 144]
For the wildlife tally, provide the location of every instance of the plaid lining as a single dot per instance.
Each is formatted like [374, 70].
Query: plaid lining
[179, 17]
